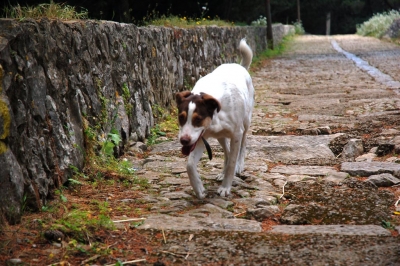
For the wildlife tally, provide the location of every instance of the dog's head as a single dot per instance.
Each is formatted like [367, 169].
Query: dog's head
[195, 113]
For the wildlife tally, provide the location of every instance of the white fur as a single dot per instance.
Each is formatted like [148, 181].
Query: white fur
[232, 86]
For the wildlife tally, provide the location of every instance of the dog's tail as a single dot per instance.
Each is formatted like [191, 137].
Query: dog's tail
[246, 53]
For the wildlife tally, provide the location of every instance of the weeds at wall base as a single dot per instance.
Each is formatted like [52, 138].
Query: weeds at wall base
[259, 60]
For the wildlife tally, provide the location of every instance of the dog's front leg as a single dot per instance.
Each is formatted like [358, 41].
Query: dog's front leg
[224, 144]
[229, 171]
[191, 168]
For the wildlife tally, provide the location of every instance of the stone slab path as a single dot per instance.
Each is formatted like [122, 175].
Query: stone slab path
[321, 171]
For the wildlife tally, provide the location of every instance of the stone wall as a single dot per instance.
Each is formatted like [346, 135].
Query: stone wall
[58, 78]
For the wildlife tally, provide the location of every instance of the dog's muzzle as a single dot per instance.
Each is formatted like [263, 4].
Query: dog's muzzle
[187, 149]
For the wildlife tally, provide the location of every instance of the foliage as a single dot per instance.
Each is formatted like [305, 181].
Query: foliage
[185, 22]
[167, 127]
[76, 172]
[126, 95]
[298, 28]
[52, 11]
[261, 21]
[167, 19]
[278, 50]
[378, 24]
[346, 14]
[387, 225]
[113, 139]
[155, 132]
[80, 224]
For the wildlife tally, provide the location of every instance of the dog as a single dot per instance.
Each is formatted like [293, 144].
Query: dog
[219, 106]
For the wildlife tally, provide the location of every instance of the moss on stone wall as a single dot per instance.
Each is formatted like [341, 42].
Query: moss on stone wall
[5, 120]
[1, 79]
[3, 147]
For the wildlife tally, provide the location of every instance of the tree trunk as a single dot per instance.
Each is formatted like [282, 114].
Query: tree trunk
[328, 23]
[270, 38]
[298, 11]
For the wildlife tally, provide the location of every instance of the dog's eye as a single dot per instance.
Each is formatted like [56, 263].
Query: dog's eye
[197, 120]
[182, 118]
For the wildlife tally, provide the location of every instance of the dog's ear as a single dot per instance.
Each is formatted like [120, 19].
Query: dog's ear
[181, 96]
[211, 103]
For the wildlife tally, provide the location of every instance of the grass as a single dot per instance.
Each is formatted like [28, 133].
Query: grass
[167, 125]
[156, 19]
[63, 11]
[259, 60]
[378, 24]
[185, 22]
[80, 222]
[51, 10]
[81, 225]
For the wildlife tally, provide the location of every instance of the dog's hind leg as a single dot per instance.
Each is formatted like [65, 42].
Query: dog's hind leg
[229, 171]
[191, 168]
[224, 144]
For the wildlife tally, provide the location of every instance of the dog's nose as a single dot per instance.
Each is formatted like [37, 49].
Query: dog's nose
[185, 140]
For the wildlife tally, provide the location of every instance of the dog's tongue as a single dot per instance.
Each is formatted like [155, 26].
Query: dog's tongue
[186, 150]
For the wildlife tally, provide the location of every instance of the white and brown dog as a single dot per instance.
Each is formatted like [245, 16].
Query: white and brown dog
[219, 106]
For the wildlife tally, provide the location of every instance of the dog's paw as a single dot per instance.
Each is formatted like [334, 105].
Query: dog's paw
[220, 177]
[201, 193]
[223, 191]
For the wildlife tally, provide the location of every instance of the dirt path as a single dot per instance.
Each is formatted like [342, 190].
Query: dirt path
[319, 184]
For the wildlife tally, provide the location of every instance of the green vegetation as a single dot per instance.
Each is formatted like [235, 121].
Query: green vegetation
[167, 124]
[112, 140]
[261, 21]
[298, 28]
[168, 20]
[155, 132]
[185, 22]
[378, 24]
[80, 222]
[387, 225]
[126, 95]
[51, 11]
[80, 225]
[278, 50]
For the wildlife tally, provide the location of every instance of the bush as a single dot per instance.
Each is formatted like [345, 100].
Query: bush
[378, 24]
[261, 21]
[298, 28]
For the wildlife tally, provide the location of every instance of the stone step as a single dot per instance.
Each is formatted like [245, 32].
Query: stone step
[344, 230]
[166, 222]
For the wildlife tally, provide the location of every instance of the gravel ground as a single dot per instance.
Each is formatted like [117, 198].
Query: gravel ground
[211, 248]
